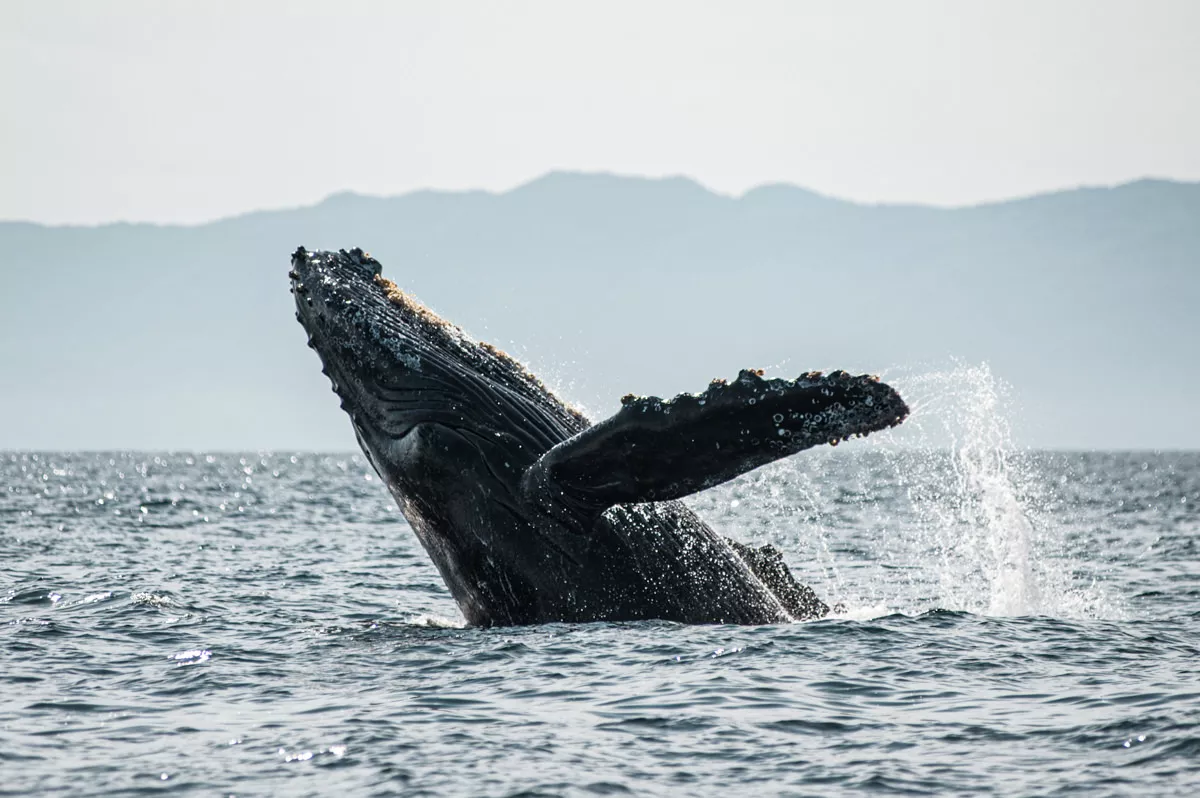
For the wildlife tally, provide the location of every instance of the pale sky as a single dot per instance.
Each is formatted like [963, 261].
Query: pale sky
[189, 111]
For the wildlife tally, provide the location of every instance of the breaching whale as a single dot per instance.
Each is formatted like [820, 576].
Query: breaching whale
[531, 513]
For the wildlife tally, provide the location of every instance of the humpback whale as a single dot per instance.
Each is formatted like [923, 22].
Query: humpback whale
[531, 513]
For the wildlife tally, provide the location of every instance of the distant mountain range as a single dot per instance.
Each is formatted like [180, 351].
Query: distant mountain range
[1087, 302]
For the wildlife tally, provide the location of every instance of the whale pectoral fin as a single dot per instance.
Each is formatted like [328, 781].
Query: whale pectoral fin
[655, 449]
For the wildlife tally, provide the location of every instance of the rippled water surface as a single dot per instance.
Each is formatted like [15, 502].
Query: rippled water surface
[266, 624]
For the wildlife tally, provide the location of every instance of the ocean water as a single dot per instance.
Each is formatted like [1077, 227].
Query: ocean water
[1017, 623]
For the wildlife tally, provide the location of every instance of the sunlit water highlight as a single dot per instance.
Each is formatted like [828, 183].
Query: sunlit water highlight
[265, 624]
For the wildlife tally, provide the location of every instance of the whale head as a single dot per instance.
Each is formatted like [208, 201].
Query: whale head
[397, 366]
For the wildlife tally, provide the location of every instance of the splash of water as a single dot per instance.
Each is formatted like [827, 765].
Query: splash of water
[943, 513]
[428, 621]
[979, 503]
[982, 529]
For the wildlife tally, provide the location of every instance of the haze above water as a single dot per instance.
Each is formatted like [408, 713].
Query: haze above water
[1083, 302]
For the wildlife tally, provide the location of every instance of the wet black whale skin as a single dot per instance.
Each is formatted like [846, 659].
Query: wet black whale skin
[531, 513]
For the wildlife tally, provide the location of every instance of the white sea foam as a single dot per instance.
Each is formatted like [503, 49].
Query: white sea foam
[436, 622]
[867, 612]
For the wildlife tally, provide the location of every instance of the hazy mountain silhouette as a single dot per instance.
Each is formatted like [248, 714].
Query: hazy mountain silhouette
[131, 335]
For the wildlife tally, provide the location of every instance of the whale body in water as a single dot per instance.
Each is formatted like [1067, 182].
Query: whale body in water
[533, 514]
